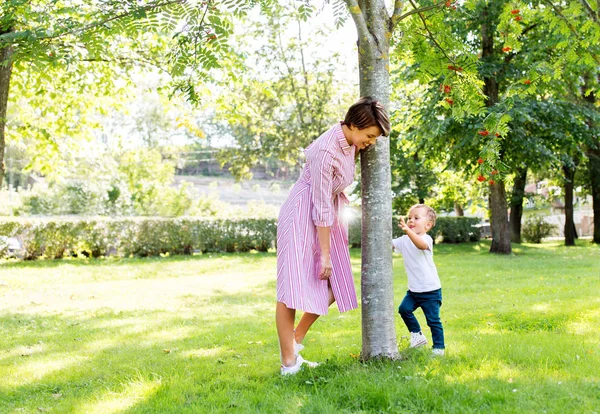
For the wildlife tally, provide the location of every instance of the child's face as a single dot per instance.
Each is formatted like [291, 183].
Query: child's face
[418, 221]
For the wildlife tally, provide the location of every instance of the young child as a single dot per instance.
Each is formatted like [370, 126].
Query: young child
[424, 287]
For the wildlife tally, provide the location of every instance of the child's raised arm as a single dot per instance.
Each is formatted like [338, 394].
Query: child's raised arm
[414, 237]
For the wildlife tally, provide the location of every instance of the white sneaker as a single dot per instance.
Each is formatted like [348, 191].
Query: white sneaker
[417, 339]
[438, 352]
[294, 368]
[311, 364]
[297, 348]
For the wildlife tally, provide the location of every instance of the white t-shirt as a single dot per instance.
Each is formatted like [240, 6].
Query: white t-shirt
[421, 271]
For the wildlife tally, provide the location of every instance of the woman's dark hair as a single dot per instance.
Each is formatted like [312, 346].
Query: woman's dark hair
[368, 112]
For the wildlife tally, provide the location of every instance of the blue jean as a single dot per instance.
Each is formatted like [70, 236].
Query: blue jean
[430, 302]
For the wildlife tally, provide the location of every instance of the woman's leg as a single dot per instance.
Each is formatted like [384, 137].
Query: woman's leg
[308, 319]
[284, 319]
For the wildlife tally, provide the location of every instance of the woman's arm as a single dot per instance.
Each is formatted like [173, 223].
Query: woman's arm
[324, 234]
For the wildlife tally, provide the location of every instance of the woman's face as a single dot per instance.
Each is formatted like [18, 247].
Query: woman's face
[362, 138]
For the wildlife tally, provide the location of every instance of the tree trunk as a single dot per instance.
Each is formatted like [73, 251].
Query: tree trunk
[516, 205]
[499, 219]
[5, 72]
[569, 230]
[378, 310]
[497, 199]
[593, 155]
[458, 210]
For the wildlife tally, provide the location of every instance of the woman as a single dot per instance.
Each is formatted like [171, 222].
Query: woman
[313, 261]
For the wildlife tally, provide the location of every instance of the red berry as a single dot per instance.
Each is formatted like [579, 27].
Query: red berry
[506, 49]
[480, 161]
[515, 11]
[497, 134]
[450, 101]
[484, 133]
[448, 3]
[518, 18]
[492, 182]
[494, 172]
[447, 88]
[527, 82]
[481, 178]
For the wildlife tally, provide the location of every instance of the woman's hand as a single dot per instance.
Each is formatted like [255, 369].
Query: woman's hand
[326, 267]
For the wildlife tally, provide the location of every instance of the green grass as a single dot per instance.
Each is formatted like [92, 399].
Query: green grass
[197, 334]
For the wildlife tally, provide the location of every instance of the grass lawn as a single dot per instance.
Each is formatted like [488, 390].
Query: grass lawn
[197, 334]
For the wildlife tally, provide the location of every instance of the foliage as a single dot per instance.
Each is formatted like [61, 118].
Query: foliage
[536, 228]
[55, 239]
[272, 114]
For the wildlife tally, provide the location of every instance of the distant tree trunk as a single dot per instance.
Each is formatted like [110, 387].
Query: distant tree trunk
[458, 210]
[569, 230]
[516, 204]
[497, 198]
[6, 64]
[374, 29]
[593, 155]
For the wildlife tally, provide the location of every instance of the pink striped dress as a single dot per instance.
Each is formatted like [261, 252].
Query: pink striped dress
[317, 199]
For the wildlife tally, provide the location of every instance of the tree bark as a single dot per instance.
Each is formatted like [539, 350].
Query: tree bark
[499, 219]
[569, 230]
[593, 155]
[497, 198]
[378, 310]
[5, 73]
[516, 204]
[458, 210]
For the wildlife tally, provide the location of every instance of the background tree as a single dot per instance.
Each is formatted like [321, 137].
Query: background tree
[91, 39]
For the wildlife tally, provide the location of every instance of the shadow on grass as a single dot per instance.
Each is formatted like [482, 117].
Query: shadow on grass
[221, 355]
[127, 261]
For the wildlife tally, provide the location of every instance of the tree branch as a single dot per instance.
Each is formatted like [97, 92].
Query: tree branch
[397, 18]
[358, 17]
[573, 30]
[590, 10]
[107, 20]
[431, 37]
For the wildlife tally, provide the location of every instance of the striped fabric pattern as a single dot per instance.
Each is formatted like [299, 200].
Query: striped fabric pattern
[317, 199]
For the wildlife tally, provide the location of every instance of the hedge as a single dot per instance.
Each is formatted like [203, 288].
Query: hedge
[141, 237]
[145, 237]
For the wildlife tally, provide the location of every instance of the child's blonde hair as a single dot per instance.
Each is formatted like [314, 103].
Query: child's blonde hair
[429, 211]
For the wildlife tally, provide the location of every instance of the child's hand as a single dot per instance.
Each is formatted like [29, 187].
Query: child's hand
[403, 225]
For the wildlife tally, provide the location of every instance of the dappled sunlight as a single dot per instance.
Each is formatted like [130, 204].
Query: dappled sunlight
[122, 295]
[36, 368]
[23, 351]
[203, 353]
[196, 342]
[120, 401]
[586, 324]
[167, 334]
[541, 307]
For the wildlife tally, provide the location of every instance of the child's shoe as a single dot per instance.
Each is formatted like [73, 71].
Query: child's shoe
[417, 339]
[439, 352]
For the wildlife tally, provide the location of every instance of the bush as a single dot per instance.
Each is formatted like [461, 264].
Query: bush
[536, 228]
[139, 237]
